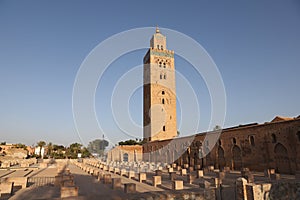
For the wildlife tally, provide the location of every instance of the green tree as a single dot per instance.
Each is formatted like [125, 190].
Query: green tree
[50, 148]
[97, 146]
[21, 146]
[217, 127]
[41, 144]
[85, 152]
[129, 142]
[73, 150]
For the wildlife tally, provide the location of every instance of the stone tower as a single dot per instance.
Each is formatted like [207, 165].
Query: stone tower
[159, 91]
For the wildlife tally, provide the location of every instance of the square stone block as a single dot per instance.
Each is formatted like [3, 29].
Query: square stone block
[222, 175]
[156, 180]
[183, 172]
[68, 192]
[172, 176]
[123, 172]
[131, 174]
[177, 185]
[107, 179]
[116, 183]
[116, 170]
[200, 173]
[216, 182]
[197, 167]
[142, 177]
[204, 184]
[129, 188]
[170, 169]
[191, 178]
[275, 176]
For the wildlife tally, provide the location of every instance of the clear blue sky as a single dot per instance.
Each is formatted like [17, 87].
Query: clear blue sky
[255, 44]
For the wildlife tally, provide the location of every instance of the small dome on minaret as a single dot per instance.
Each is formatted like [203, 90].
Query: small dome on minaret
[157, 29]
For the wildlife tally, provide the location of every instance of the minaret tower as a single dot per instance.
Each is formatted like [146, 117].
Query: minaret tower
[159, 91]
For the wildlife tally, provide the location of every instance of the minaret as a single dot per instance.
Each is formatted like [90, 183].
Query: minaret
[159, 91]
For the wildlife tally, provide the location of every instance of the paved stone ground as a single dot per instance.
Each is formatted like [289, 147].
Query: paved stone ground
[91, 188]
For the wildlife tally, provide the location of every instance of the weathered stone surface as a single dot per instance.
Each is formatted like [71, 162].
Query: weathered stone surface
[18, 181]
[107, 179]
[170, 169]
[158, 172]
[129, 188]
[116, 183]
[68, 192]
[275, 176]
[200, 173]
[172, 176]
[204, 184]
[177, 185]
[6, 188]
[183, 172]
[285, 190]
[240, 189]
[191, 178]
[156, 180]
[142, 177]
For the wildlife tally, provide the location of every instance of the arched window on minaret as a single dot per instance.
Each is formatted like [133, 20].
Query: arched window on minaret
[159, 64]
[165, 76]
[158, 46]
[164, 128]
[161, 47]
[163, 101]
[161, 76]
[164, 65]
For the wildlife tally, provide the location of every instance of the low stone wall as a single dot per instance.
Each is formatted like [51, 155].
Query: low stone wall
[6, 188]
[209, 194]
[18, 181]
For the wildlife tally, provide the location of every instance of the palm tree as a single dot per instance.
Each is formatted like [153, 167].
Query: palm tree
[41, 144]
[50, 148]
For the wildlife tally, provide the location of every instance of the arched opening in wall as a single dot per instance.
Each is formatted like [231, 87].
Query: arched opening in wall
[274, 139]
[161, 47]
[221, 158]
[162, 92]
[164, 128]
[196, 159]
[282, 159]
[185, 158]
[236, 158]
[159, 64]
[251, 140]
[208, 160]
[298, 136]
[163, 101]
[157, 156]
[125, 157]
[233, 141]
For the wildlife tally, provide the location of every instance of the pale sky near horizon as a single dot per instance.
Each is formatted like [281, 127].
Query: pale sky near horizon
[255, 45]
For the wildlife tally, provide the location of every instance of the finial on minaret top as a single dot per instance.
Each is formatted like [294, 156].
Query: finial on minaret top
[157, 29]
